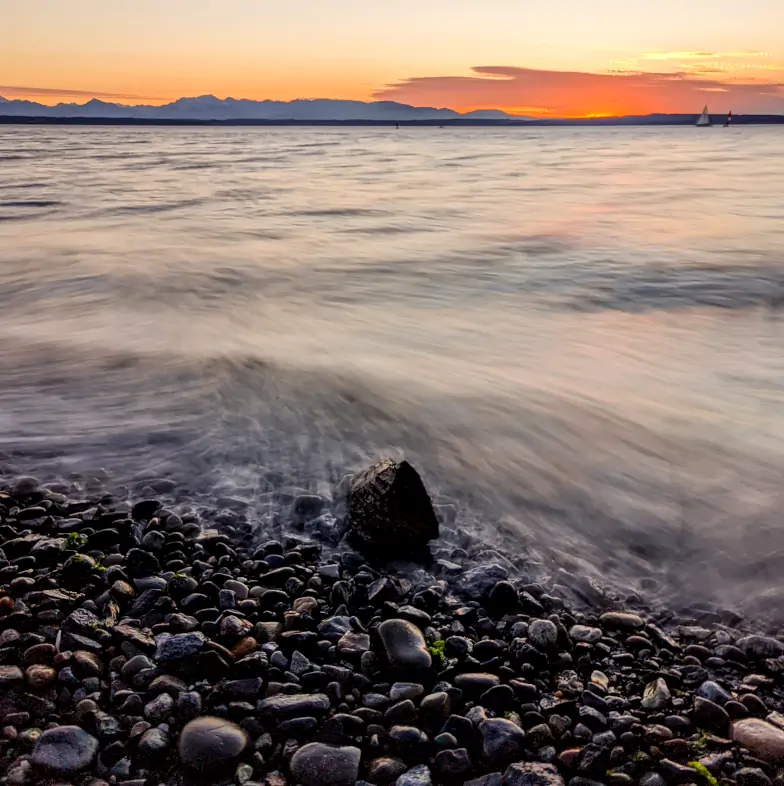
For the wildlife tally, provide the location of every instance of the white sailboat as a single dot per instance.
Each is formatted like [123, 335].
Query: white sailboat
[704, 119]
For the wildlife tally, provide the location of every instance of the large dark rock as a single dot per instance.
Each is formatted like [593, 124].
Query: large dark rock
[389, 511]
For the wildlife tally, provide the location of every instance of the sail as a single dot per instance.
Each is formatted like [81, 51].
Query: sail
[705, 119]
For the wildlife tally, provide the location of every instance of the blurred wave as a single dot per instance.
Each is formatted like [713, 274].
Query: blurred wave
[575, 334]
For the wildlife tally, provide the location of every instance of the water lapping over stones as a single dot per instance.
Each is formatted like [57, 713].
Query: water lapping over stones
[138, 648]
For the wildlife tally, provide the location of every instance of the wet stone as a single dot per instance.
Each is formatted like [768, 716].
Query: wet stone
[404, 645]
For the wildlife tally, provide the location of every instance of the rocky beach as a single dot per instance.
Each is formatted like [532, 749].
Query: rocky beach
[146, 643]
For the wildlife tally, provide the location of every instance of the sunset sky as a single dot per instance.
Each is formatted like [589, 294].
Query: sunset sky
[554, 58]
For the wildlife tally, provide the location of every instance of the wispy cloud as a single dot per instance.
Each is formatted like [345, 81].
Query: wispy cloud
[700, 55]
[576, 93]
[16, 91]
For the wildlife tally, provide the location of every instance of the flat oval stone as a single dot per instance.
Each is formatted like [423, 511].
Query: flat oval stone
[476, 683]
[207, 742]
[65, 749]
[299, 705]
[621, 620]
[404, 645]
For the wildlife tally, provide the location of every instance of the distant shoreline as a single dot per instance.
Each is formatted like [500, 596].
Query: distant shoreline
[650, 120]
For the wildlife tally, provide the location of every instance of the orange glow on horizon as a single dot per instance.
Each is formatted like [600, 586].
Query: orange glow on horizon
[518, 91]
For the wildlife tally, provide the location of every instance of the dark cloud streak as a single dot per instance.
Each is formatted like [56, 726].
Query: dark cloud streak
[16, 91]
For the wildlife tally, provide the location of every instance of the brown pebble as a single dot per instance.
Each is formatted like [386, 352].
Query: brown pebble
[568, 756]
[39, 676]
[6, 605]
[220, 649]
[305, 605]
[86, 664]
[39, 653]
[244, 647]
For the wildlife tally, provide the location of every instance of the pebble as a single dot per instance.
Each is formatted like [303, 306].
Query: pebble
[709, 715]
[713, 692]
[502, 741]
[404, 645]
[543, 634]
[278, 708]
[763, 739]
[656, 695]
[263, 637]
[452, 764]
[317, 764]
[476, 683]
[761, 646]
[10, 674]
[621, 620]
[206, 743]
[585, 633]
[532, 774]
[240, 590]
[385, 769]
[405, 690]
[65, 750]
[178, 646]
[416, 776]
[159, 708]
